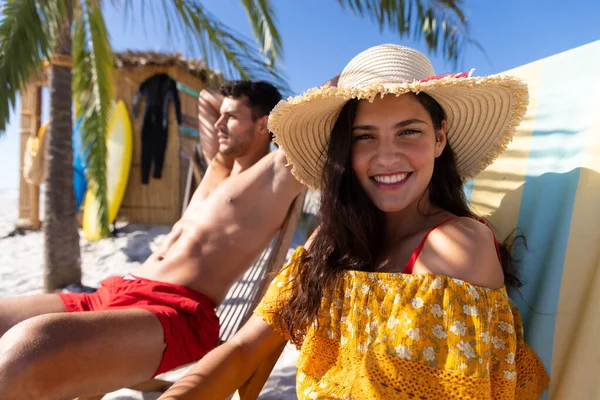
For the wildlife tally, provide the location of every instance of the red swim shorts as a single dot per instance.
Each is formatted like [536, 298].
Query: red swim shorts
[190, 325]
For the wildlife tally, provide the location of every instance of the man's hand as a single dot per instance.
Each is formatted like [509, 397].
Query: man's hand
[333, 81]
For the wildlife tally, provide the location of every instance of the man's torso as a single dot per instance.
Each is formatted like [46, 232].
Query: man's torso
[220, 235]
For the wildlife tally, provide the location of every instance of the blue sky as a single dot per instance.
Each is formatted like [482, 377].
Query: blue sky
[319, 39]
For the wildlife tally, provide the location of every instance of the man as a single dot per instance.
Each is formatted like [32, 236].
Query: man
[162, 315]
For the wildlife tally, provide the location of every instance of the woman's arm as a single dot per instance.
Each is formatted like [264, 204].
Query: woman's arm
[227, 367]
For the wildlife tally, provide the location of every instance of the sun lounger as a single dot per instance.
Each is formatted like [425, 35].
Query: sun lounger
[241, 300]
[546, 185]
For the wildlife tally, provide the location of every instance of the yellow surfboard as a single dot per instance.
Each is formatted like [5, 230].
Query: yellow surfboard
[119, 146]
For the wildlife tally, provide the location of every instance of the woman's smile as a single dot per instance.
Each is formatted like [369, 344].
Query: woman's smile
[391, 180]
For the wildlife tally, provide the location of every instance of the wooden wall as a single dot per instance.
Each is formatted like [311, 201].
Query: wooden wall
[159, 201]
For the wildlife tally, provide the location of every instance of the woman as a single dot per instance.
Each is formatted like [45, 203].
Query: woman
[401, 292]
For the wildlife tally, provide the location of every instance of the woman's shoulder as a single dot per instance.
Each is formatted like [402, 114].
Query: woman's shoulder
[465, 249]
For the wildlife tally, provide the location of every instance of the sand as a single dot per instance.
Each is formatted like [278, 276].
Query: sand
[21, 273]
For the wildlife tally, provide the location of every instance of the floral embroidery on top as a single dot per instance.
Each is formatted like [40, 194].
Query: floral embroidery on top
[435, 332]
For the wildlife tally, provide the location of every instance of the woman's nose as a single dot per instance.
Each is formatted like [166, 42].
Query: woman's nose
[388, 154]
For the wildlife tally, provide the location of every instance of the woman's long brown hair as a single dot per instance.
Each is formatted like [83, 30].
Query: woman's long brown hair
[350, 234]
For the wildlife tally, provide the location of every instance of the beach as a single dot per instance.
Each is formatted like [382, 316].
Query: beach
[21, 273]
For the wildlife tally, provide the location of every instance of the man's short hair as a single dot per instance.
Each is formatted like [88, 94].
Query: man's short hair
[261, 95]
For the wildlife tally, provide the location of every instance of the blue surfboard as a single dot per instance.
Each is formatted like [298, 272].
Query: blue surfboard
[79, 165]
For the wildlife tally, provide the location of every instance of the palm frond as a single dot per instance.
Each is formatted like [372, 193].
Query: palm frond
[455, 6]
[221, 47]
[52, 13]
[93, 91]
[441, 24]
[27, 34]
[261, 17]
[228, 49]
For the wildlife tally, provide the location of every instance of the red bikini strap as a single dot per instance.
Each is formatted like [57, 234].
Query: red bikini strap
[483, 221]
[408, 269]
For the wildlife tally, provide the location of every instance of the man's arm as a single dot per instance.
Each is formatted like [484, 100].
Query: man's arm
[209, 104]
[284, 183]
[333, 81]
[218, 170]
[284, 180]
[226, 368]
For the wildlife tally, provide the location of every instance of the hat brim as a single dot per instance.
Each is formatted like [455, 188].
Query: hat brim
[482, 114]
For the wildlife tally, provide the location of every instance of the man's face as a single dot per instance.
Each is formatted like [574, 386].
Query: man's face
[236, 130]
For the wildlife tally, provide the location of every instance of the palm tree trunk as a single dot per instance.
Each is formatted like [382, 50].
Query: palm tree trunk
[61, 249]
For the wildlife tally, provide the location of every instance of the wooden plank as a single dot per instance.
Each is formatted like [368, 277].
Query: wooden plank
[280, 249]
[252, 387]
[152, 385]
[29, 195]
[189, 187]
[35, 189]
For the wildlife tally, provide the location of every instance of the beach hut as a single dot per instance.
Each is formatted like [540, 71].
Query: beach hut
[160, 200]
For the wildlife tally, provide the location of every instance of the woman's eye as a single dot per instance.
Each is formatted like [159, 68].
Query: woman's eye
[362, 137]
[409, 132]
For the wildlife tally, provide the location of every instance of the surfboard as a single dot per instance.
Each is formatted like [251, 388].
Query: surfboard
[119, 145]
[79, 178]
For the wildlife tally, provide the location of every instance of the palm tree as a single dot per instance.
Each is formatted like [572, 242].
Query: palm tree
[72, 35]
[31, 32]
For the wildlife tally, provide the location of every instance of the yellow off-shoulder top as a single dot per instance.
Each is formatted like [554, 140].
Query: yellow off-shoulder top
[403, 336]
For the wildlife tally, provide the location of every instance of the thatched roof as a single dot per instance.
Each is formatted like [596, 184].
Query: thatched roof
[143, 58]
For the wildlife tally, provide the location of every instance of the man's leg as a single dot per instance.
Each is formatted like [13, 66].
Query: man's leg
[15, 310]
[66, 355]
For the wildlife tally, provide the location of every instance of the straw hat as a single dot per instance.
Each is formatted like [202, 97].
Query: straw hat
[482, 112]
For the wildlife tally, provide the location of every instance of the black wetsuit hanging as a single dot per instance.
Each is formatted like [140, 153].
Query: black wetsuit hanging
[157, 90]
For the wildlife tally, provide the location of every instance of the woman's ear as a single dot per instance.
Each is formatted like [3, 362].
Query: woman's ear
[440, 139]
